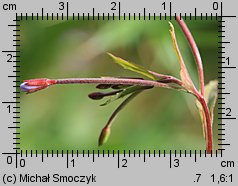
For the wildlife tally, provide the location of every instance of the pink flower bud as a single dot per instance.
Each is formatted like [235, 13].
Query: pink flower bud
[34, 85]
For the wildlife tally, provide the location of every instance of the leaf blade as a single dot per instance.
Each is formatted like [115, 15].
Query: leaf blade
[124, 92]
[202, 117]
[133, 67]
[184, 75]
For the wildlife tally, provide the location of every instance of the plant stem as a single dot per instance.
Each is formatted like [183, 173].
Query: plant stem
[195, 51]
[111, 80]
[167, 77]
[34, 85]
[121, 106]
[200, 96]
[209, 135]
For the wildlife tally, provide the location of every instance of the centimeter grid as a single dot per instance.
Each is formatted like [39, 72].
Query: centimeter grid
[112, 16]
[108, 16]
[121, 15]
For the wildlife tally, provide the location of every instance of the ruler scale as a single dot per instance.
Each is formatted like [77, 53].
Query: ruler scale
[100, 167]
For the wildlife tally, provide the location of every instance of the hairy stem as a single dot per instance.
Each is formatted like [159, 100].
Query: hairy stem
[111, 80]
[195, 51]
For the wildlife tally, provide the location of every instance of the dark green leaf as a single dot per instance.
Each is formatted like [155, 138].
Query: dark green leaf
[125, 92]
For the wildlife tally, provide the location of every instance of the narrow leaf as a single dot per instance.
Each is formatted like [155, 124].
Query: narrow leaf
[133, 67]
[184, 75]
[105, 133]
[125, 92]
[202, 116]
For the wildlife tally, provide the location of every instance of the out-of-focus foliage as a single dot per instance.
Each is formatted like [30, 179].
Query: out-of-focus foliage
[62, 117]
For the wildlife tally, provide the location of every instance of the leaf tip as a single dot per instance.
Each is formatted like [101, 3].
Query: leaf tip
[171, 27]
[111, 55]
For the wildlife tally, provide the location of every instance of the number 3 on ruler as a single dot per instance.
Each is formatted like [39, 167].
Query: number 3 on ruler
[176, 162]
[61, 5]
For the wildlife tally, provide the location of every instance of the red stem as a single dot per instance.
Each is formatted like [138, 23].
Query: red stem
[209, 138]
[142, 82]
[200, 96]
[43, 83]
[34, 85]
[167, 77]
[195, 51]
[110, 80]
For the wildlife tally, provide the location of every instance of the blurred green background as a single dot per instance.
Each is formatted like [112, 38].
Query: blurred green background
[64, 118]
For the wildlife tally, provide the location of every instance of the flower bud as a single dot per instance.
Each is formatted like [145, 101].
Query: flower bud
[27, 88]
[105, 133]
[96, 95]
[119, 86]
[100, 95]
[103, 86]
[33, 85]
